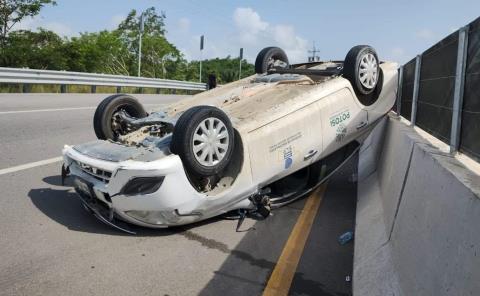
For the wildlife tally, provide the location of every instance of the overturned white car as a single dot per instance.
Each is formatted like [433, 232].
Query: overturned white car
[256, 143]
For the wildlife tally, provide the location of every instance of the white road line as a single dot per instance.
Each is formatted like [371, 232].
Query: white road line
[30, 165]
[61, 109]
[46, 110]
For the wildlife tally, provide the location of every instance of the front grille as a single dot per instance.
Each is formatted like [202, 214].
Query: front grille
[99, 174]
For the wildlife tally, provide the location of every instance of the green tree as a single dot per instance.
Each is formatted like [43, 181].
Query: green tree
[111, 52]
[13, 11]
[101, 52]
[225, 69]
[154, 24]
[160, 58]
[36, 50]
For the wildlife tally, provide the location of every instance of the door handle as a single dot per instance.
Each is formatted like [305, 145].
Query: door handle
[310, 154]
[362, 124]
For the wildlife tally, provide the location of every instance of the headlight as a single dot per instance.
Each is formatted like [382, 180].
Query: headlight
[142, 185]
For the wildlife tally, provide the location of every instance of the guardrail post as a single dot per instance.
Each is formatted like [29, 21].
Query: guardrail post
[158, 91]
[26, 88]
[459, 88]
[174, 91]
[399, 90]
[63, 88]
[93, 89]
[119, 89]
[416, 86]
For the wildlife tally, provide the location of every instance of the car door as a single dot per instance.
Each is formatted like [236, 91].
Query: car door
[286, 144]
[343, 118]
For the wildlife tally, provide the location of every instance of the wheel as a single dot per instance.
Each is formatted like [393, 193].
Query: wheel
[361, 68]
[270, 57]
[204, 139]
[104, 122]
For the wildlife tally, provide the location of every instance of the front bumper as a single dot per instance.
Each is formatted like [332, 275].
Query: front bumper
[100, 210]
[176, 202]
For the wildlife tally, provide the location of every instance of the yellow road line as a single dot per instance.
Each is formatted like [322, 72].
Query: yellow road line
[282, 276]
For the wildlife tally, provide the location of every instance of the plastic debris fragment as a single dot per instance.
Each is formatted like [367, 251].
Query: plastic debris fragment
[345, 238]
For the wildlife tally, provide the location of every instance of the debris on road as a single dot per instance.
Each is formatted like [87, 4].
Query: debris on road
[345, 238]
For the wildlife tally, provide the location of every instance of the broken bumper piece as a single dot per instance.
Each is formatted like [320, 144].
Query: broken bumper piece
[94, 206]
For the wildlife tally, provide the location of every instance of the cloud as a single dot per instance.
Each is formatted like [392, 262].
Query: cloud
[246, 30]
[295, 46]
[425, 34]
[184, 24]
[37, 22]
[256, 34]
[249, 24]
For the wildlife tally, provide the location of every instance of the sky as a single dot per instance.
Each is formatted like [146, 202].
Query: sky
[398, 30]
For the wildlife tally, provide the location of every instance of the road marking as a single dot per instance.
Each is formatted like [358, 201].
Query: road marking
[47, 110]
[61, 109]
[30, 165]
[282, 275]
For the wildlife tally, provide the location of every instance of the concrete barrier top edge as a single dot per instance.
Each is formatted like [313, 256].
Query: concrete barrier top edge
[461, 167]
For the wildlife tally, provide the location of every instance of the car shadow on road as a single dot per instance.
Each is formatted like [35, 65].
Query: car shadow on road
[57, 181]
[63, 206]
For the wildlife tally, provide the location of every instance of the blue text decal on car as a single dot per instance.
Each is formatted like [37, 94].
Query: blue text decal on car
[288, 156]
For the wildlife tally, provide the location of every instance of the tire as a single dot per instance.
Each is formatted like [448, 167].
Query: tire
[102, 120]
[188, 137]
[265, 57]
[361, 68]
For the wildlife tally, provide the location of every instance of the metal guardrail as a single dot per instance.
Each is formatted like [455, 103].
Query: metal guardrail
[32, 76]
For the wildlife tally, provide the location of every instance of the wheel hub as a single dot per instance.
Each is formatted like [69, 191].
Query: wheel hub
[210, 141]
[368, 72]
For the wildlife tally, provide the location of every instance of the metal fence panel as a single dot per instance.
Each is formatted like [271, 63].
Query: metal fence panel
[436, 88]
[398, 99]
[470, 133]
[407, 89]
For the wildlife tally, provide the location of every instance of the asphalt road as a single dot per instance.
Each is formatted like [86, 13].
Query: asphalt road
[50, 246]
[36, 126]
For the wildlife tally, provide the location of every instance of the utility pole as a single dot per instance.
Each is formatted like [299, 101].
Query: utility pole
[201, 55]
[314, 57]
[140, 44]
[240, 66]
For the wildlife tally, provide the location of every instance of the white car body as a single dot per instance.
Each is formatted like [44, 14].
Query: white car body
[284, 126]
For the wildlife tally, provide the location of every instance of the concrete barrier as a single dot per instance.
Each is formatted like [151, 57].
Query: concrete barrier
[418, 216]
